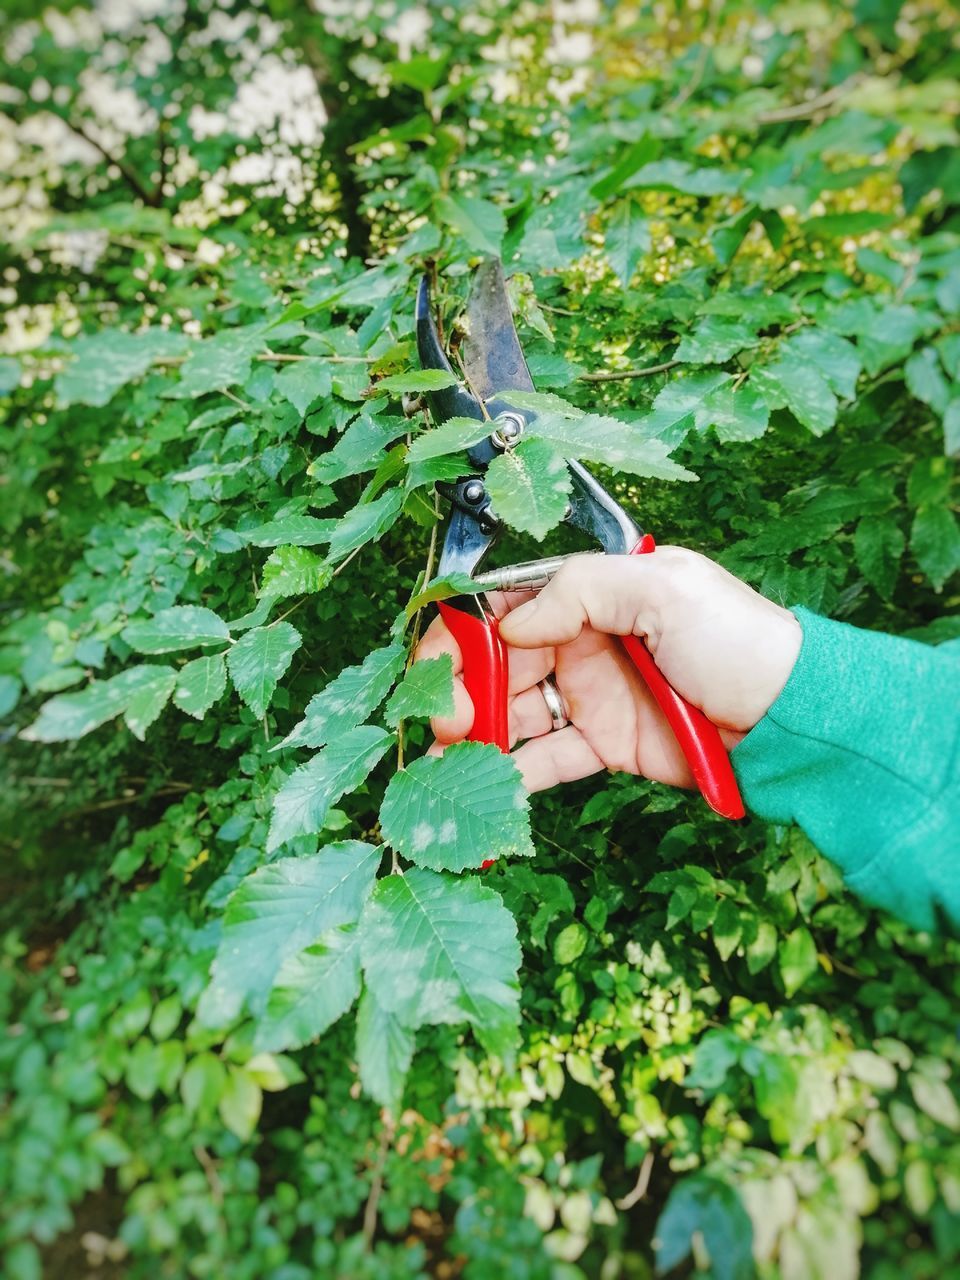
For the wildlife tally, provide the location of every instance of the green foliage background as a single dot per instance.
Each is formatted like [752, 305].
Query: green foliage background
[733, 234]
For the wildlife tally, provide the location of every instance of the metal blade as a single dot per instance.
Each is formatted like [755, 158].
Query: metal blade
[492, 355]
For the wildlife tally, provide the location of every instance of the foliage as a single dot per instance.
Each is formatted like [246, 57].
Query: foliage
[263, 1016]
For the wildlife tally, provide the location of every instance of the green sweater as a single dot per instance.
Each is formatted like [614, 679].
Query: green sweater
[862, 751]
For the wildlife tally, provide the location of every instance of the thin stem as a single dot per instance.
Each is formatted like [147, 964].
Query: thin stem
[615, 375]
[803, 110]
[343, 564]
[372, 1206]
[640, 1188]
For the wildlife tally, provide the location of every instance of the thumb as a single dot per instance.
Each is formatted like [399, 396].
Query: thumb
[614, 594]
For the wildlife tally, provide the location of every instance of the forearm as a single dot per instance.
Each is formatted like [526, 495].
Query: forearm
[861, 751]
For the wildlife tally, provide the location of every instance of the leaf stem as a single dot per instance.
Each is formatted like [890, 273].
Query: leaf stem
[615, 375]
[372, 1206]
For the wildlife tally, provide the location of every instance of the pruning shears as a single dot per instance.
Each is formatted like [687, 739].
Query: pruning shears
[494, 365]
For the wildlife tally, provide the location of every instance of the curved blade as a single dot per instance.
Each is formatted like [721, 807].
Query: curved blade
[450, 402]
[492, 355]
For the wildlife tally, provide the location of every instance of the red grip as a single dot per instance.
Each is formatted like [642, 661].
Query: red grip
[699, 738]
[485, 672]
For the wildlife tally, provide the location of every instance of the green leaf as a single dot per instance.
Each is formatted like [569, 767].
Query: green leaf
[442, 950]
[450, 437]
[359, 449]
[72, 715]
[183, 626]
[219, 362]
[592, 438]
[951, 428]
[878, 545]
[414, 380]
[426, 690]
[275, 913]
[349, 699]
[199, 685]
[930, 1086]
[727, 929]
[715, 340]
[935, 542]
[384, 1052]
[925, 379]
[529, 487]
[296, 531]
[570, 943]
[313, 988]
[303, 381]
[9, 374]
[479, 222]
[801, 388]
[366, 522]
[798, 959]
[452, 812]
[202, 1083]
[294, 571]
[740, 414]
[627, 239]
[676, 407]
[148, 700]
[704, 1207]
[10, 689]
[241, 1102]
[258, 660]
[635, 157]
[104, 362]
[302, 803]
[835, 359]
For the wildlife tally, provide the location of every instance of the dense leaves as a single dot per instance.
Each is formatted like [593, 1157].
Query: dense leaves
[733, 252]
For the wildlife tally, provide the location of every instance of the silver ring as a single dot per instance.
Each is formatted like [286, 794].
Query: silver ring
[554, 700]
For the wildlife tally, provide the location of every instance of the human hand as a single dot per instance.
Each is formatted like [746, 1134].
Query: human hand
[724, 648]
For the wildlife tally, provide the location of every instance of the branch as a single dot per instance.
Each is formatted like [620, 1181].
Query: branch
[614, 375]
[803, 110]
[640, 1189]
[132, 178]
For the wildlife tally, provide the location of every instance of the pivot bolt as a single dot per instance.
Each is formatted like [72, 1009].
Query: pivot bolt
[509, 430]
[473, 491]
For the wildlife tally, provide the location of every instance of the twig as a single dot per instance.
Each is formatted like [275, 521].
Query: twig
[130, 176]
[376, 1186]
[803, 110]
[640, 1188]
[210, 1169]
[236, 399]
[614, 375]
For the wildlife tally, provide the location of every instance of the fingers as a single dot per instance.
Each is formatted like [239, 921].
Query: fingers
[616, 594]
[563, 756]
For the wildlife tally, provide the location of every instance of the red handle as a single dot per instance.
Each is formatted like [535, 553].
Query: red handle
[485, 673]
[699, 738]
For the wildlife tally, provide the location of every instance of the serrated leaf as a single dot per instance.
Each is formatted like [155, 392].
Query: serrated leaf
[715, 340]
[835, 359]
[312, 989]
[302, 803]
[200, 683]
[183, 626]
[705, 1214]
[677, 404]
[479, 222]
[359, 449]
[146, 702]
[296, 531]
[72, 715]
[219, 362]
[366, 522]
[626, 239]
[275, 913]
[450, 437]
[878, 545]
[455, 811]
[426, 690]
[529, 487]
[798, 959]
[303, 381]
[101, 363]
[740, 414]
[294, 571]
[592, 438]
[258, 660]
[442, 950]
[349, 699]
[384, 1051]
[414, 380]
[801, 388]
[935, 541]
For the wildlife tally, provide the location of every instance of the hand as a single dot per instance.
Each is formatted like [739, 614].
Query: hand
[722, 646]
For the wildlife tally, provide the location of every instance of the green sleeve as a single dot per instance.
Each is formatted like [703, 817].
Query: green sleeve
[862, 751]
